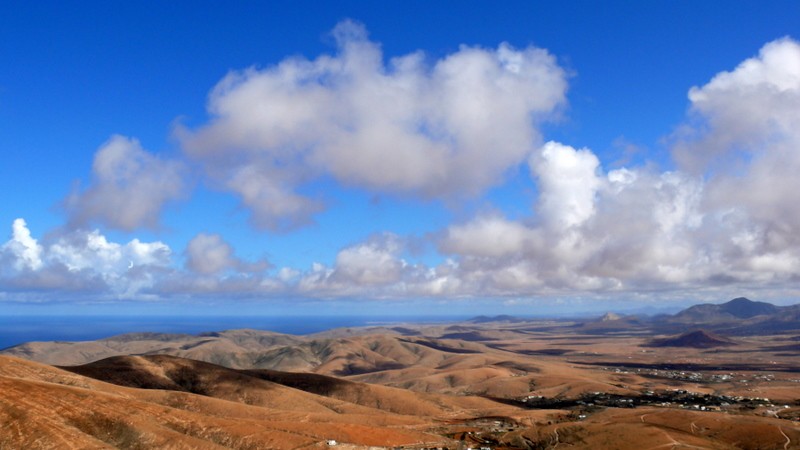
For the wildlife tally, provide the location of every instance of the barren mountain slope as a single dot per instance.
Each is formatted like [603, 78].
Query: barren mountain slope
[233, 348]
[273, 389]
[71, 411]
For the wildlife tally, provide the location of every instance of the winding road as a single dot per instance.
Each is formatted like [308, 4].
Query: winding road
[788, 441]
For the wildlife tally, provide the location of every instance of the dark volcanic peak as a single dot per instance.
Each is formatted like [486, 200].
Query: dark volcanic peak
[693, 339]
[744, 308]
[736, 309]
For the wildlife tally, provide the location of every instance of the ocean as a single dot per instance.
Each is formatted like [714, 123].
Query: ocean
[16, 330]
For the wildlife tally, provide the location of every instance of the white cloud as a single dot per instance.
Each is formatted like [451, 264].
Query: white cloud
[129, 187]
[568, 183]
[488, 236]
[272, 203]
[210, 254]
[443, 129]
[376, 262]
[82, 260]
[81, 250]
[742, 114]
[24, 250]
[727, 217]
[747, 144]
[370, 263]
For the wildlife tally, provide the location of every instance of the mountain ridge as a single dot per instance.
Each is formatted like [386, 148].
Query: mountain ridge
[738, 308]
[360, 351]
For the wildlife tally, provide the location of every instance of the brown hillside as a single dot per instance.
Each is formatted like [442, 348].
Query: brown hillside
[70, 411]
[271, 388]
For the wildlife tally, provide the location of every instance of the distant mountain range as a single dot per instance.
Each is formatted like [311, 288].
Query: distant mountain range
[350, 352]
[738, 308]
[740, 316]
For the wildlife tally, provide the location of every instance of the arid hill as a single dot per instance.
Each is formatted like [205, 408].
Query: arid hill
[233, 348]
[693, 339]
[612, 323]
[48, 408]
[250, 386]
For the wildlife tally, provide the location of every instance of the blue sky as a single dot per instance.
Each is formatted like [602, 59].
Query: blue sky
[368, 157]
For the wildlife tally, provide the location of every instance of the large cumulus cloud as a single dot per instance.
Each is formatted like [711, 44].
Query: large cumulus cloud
[726, 218]
[750, 145]
[724, 221]
[434, 129]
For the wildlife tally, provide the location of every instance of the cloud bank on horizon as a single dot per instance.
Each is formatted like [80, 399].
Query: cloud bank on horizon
[724, 218]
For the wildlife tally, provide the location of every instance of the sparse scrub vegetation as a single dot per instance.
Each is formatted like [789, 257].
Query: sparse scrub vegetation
[111, 431]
